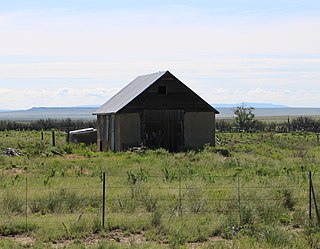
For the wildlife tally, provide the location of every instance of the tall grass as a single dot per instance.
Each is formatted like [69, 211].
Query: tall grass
[252, 189]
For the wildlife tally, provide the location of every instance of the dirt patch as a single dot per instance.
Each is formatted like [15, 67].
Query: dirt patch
[61, 244]
[92, 240]
[120, 237]
[117, 236]
[216, 239]
[74, 156]
[13, 172]
[21, 239]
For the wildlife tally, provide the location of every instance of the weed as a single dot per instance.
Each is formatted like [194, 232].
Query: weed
[96, 226]
[136, 177]
[276, 237]
[148, 200]
[288, 200]
[169, 175]
[177, 237]
[12, 203]
[15, 228]
[156, 219]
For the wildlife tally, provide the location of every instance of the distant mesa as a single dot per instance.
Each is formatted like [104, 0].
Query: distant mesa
[62, 107]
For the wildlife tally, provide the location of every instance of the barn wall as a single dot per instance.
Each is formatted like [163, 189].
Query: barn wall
[199, 129]
[103, 132]
[130, 130]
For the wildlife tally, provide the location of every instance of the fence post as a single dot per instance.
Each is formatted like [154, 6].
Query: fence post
[103, 198]
[26, 203]
[180, 198]
[239, 200]
[310, 198]
[53, 139]
[41, 135]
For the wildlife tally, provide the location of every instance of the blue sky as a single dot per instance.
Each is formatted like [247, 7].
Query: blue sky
[81, 52]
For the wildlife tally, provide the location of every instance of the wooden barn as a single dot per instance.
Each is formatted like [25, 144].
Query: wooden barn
[158, 111]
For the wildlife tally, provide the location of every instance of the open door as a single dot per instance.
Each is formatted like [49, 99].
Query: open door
[163, 129]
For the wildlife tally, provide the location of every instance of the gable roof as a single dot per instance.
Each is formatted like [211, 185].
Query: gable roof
[130, 92]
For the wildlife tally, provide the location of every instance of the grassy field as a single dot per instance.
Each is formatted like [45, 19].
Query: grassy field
[251, 191]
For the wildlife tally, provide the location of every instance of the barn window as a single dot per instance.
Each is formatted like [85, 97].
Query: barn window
[162, 90]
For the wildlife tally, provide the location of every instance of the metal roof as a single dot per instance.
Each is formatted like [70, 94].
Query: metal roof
[86, 130]
[128, 93]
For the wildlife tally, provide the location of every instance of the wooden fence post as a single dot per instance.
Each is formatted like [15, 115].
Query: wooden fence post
[239, 200]
[180, 198]
[26, 203]
[103, 199]
[53, 139]
[310, 198]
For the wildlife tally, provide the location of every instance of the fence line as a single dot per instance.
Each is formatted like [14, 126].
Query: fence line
[106, 196]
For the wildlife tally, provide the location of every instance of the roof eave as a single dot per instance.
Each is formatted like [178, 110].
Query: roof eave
[103, 113]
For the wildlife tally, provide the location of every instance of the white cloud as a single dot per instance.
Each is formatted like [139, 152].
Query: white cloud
[222, 57]
[130, 33]
[60, 97]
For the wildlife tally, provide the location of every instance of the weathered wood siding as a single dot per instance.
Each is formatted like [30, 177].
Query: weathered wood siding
[129, 130]
[176, 96]
[105, 132]
[101, 131]
[199, 129]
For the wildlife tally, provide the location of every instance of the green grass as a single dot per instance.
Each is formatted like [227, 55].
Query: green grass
[156, 199]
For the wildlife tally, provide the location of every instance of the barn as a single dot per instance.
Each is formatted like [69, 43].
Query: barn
[158, 111]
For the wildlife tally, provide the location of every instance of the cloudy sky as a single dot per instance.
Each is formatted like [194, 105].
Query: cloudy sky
[81, 52]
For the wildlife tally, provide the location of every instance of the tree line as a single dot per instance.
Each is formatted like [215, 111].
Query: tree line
[47, 124]
[244, 120]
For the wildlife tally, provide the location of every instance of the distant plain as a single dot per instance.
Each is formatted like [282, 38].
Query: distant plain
[264, 114]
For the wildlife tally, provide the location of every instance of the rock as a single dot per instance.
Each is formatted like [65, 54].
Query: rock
[12, 152]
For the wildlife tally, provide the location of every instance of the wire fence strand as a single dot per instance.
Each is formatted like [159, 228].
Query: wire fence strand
[111, 195]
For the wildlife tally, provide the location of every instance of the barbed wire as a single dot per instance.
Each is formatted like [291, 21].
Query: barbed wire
[181, 198]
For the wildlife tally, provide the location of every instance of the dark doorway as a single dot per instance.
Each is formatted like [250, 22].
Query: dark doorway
[163, 129]
[174, 136]
[153, 134]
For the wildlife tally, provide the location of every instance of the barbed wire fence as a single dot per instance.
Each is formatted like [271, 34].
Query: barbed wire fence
[138, 197]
